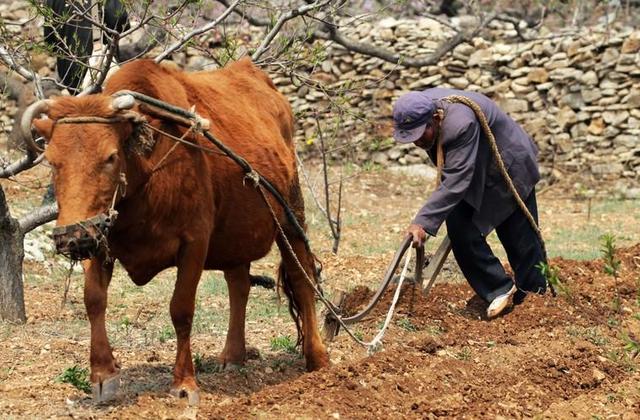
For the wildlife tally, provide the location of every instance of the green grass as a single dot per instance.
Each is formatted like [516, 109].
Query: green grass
[167, 332]
[591, 334]
[464, 354]
[284, 343]
[406, 324]
[212, 283]
[76, 376]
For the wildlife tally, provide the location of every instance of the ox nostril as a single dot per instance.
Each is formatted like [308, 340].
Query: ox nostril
[72, 244]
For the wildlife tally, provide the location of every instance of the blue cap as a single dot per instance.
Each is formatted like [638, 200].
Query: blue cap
[411, 114]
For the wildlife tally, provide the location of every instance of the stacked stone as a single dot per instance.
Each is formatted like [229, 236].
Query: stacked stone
[577, 94]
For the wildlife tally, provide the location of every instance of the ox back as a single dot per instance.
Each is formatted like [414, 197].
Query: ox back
[192, 192]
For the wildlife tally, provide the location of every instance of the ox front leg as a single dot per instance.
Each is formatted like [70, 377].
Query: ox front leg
[190, 265]
[104, 368]
[303, 295]
[238, 283]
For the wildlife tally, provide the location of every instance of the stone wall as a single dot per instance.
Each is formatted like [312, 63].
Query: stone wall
[577, 94]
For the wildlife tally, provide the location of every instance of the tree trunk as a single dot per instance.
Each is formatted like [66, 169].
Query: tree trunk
[11, 256]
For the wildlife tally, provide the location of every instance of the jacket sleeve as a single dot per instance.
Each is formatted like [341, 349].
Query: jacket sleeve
[459, 165]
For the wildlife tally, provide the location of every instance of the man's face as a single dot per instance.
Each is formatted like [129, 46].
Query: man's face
[426, 141]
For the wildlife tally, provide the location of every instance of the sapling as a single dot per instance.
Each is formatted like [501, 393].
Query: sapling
[611, 266]
[553, 278]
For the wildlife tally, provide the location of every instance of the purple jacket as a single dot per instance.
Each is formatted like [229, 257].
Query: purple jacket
[470, 172]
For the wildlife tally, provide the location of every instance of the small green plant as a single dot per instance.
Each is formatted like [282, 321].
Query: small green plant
[464, 354]
[166, 333]
[631, 344]
[125, 324]
[435, 330]
[407, 324]
[611, 266]
[553, 278]
[198, 362]
[359, 335]
[284, 343]
[76, 376]
[591, 334]
[611, 263]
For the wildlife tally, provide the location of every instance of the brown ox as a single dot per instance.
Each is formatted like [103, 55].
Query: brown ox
[183, 206]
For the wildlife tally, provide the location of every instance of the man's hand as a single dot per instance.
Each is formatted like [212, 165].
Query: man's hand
[418, 235]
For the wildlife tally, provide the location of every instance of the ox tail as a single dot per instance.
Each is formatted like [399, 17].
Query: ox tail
[284, 280]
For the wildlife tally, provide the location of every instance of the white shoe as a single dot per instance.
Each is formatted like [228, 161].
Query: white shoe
[500, 303]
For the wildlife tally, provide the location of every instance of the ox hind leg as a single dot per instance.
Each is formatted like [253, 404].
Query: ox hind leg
[104, 368]
[302, 298]
[190, 266]
[238, 284]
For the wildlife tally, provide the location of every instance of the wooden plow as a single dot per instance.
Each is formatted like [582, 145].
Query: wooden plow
[422, 272]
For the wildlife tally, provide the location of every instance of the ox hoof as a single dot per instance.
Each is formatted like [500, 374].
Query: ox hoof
[318, 362]
[232, 367]
[192, 395]
[105, 390]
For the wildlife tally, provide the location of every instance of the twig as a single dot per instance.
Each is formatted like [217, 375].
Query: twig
[106, 66]
[27, 74]
[334, 225]
[284, 17]
[255, 21]
[197, 31]
[305, 175]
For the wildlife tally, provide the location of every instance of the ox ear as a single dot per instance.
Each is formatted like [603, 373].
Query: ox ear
[44, 127]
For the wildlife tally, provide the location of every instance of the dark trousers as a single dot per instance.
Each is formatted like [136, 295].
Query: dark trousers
[482, 269]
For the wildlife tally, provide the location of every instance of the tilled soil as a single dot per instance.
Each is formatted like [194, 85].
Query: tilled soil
[549, 357]
[572, 355]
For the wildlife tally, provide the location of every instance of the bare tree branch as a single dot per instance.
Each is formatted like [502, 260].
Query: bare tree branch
[27, 162]
[255, 21]
[7, 58]
[284, 17]
[38, 217]
[305, 175]
[106, 66]
[392, 57]
[197, 31]
[334, 225]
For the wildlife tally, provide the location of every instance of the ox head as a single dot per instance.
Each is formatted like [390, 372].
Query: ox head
[85, 143]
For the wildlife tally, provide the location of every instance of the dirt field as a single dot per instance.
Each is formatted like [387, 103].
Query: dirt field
[572, 356]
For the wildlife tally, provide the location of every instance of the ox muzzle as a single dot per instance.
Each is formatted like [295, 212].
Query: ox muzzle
[85, 239]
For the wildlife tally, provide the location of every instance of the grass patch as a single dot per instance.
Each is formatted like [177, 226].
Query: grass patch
[407, 324]
[76, 376]
[284, 343]
[166, 333]
[590, 334]
[464, 354]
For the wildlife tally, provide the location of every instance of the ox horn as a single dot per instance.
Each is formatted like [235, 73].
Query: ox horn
[34, 110]
[123, 102]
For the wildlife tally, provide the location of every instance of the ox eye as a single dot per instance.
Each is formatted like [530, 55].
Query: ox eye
[113, 157]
